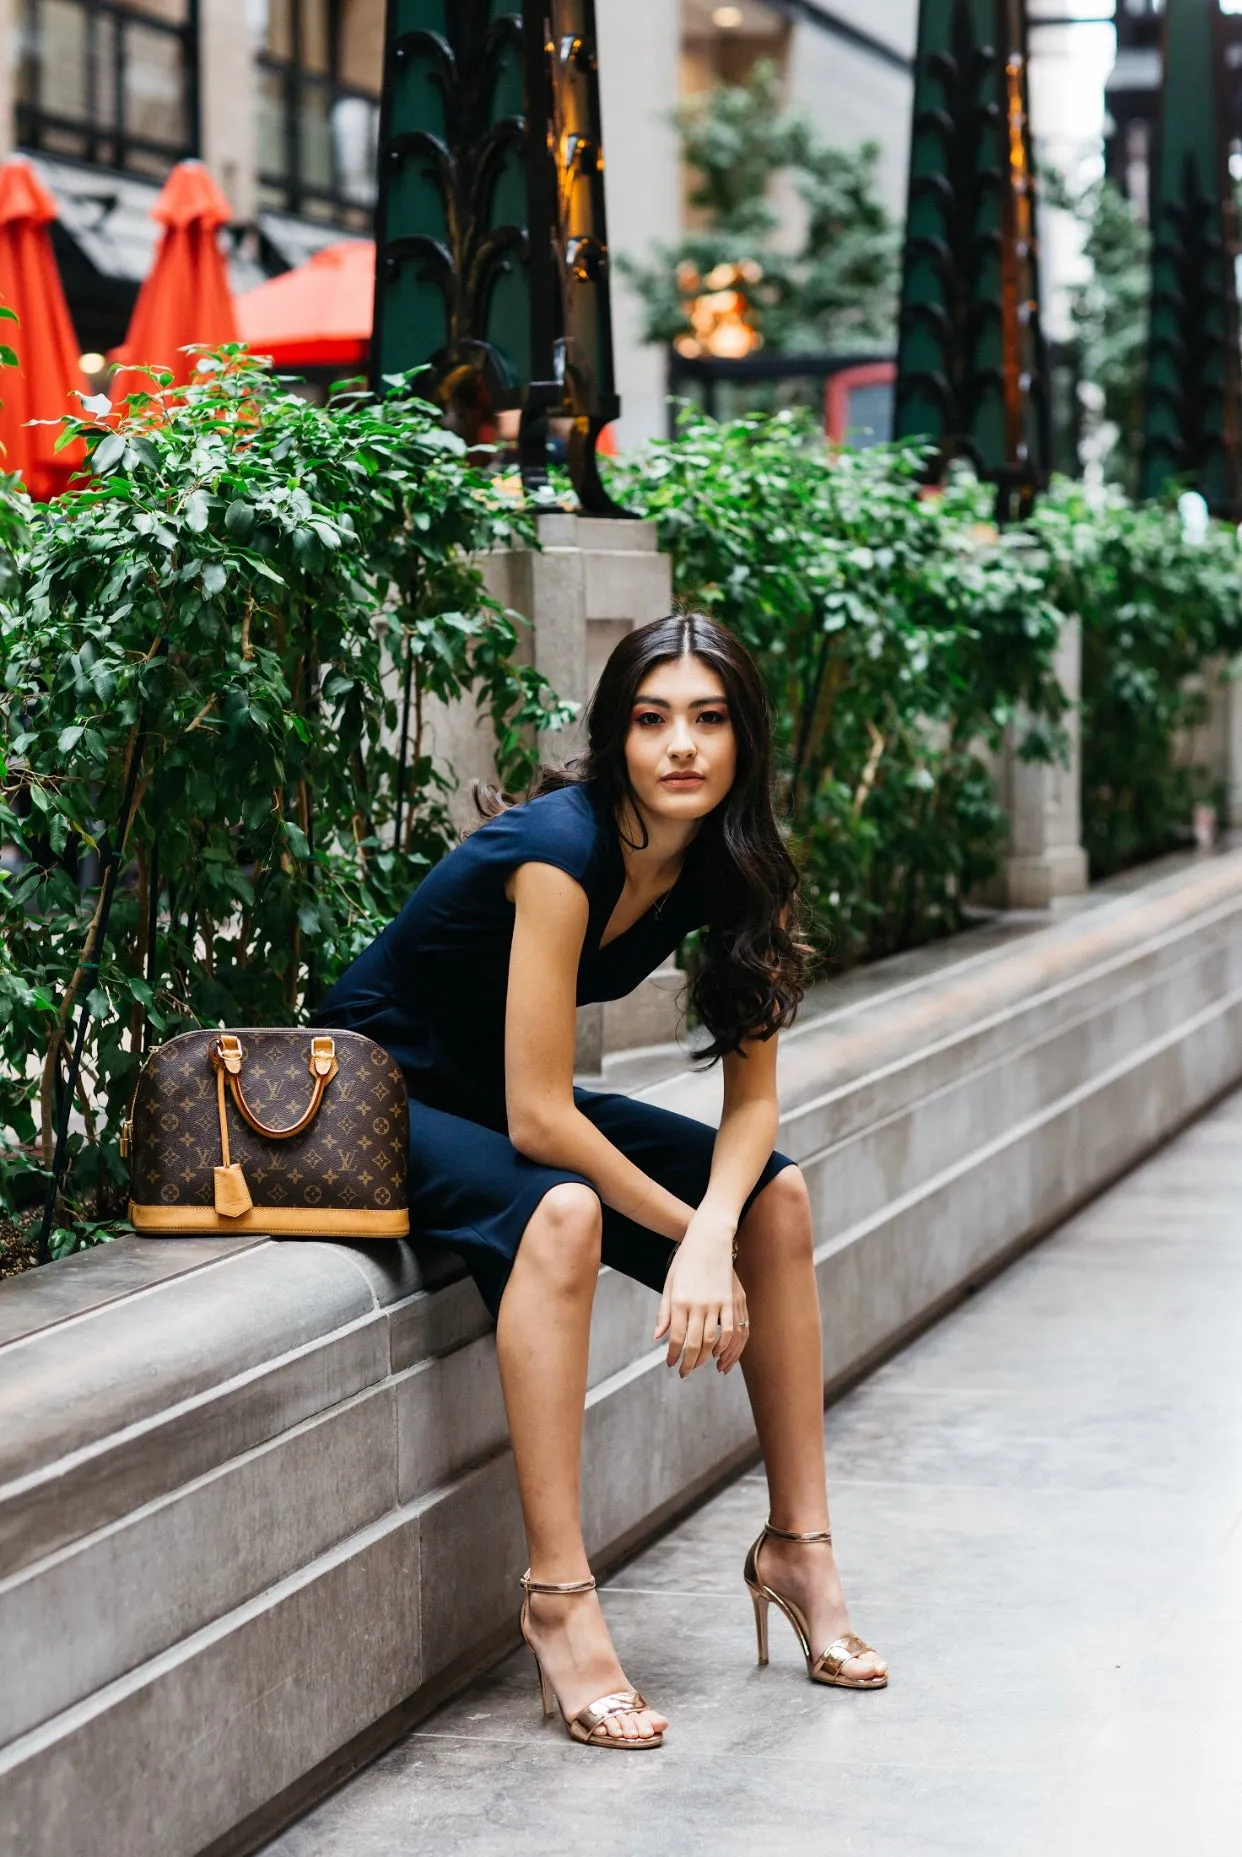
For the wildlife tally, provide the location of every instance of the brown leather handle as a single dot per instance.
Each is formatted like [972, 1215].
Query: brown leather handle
[227, 1057]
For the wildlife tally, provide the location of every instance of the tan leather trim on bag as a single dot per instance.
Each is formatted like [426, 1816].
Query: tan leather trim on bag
[276, 1221]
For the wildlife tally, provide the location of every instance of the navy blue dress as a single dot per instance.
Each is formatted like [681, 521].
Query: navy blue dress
[432, 990]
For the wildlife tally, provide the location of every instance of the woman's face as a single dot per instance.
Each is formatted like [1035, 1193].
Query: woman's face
[681, 751]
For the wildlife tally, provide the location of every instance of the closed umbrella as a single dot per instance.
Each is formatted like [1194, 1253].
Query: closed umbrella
[185, 299]
[317, 316]
[47, 374]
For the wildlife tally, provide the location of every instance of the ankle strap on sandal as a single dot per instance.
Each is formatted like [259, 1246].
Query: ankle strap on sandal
[784, 1534]
[564, 1589]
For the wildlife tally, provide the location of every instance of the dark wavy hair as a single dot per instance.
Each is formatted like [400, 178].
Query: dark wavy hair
[750, 976]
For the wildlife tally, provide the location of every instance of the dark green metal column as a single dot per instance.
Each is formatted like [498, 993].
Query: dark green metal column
[1191, 425]
[491, 238]
[972, 369]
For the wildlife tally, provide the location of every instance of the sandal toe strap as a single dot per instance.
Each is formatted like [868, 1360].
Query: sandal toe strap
[842, 1652]
[623, 1702]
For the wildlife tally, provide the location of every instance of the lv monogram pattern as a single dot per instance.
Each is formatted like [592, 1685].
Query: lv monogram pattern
[352, 1157]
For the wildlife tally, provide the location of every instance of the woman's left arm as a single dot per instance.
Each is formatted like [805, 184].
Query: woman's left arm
[748, 1128]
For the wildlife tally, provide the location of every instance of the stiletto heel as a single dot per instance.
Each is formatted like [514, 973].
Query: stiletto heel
[826, 1668]
[761, 1603]
[545, 1688]
[588, 1725]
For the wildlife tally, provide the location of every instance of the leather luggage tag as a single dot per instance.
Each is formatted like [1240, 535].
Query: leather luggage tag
[232, 1195]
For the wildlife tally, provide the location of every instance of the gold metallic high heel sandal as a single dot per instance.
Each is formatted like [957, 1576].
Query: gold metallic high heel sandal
[587, 1726]
[828, 1667]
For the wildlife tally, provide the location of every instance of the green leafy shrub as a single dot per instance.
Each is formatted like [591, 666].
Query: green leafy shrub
[251, 590]
[1161, 613]
[899, 635]
[15, 510]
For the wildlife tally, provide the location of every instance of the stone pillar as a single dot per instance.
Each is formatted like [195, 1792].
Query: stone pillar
[1217, 744]
[228, 102]
[1230, 699]
[1044, 802]
[592, 580]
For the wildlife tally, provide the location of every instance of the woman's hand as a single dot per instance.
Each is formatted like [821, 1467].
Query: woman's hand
[699, 1310]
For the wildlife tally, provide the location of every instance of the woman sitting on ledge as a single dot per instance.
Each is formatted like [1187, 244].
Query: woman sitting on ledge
[577, 895]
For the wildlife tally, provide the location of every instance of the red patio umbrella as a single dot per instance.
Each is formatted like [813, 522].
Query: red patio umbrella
[42, 384]
[316, 316]
[185, 299]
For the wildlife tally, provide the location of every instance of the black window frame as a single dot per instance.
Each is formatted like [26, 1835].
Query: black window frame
[293, 192]
[108, 144]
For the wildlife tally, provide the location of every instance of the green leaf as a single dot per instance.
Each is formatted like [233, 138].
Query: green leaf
[140, 450]
[239, 518]
[109, 451]
[308, 550]
[215, 577]
[297, 840]
[197, 511]
[69, 738]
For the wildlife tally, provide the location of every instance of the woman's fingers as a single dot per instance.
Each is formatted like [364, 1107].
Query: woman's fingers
[678, 1327]
[665, 1316]
[693, 1343]
[728, 1357]
[707, 1347]
[713, 1322]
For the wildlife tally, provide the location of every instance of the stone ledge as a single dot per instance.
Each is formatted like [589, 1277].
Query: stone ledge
[255, 1498]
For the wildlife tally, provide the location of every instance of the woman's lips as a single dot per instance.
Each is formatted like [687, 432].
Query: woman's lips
[682, 780]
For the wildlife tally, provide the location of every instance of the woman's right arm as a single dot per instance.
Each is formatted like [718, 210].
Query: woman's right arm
[545, 1124]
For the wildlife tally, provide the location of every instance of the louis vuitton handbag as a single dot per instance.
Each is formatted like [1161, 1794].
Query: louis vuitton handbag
[297, 1134]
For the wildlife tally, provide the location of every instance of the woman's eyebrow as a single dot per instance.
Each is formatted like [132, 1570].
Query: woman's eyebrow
[696, 702]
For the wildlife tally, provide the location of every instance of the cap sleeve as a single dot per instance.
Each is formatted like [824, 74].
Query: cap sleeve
[561, 828]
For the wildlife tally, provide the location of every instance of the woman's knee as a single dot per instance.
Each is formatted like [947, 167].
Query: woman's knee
[566, 1232]
[780, 1219]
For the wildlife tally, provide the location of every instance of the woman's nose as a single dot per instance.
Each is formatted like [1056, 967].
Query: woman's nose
[683, 742]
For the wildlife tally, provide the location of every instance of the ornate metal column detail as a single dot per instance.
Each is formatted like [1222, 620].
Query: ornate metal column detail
[972, 371]
[492, 247]
[1193, 375]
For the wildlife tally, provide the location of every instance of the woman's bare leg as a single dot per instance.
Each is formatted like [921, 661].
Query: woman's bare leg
[542, 1340]
[784, 1370]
